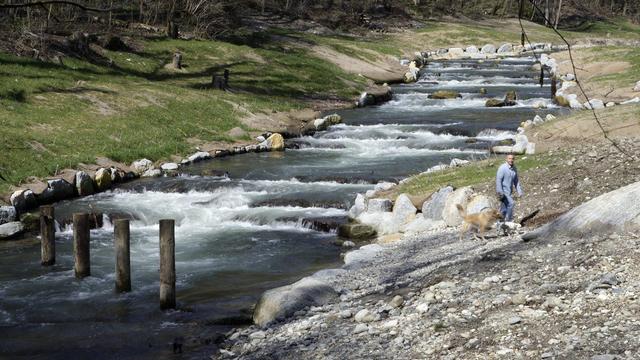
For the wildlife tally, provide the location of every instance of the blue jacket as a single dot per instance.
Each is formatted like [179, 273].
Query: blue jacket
[506, 179]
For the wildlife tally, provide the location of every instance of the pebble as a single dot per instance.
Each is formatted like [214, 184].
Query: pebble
[396, 302]
[515, 320]
[360, 328]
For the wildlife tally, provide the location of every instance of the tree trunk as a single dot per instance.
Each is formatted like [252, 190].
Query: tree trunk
[546, 13]
[555, 26]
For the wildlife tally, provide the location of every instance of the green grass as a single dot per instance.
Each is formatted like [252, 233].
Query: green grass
[471, 174]
[56, 116]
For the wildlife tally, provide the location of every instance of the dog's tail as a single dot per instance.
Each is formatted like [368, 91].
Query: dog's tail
[462, 211]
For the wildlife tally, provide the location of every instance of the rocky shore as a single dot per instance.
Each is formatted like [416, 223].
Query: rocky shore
[430, 295]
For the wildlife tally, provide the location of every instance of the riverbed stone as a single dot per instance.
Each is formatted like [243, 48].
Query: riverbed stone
[11, 229]
[434, 206]
[23, 200]
[7, 214]
[450, 214]
[472, 49]
[282, 302]
[325, 122]
[356, 231]
[481, 203]
[275, 142]
[594, 104]
[455, 53]
[421, 224]
[57, 189]
[199, 156]
[488, 49]
[84, 184]
[142, 165]
[103, 179]
[505, 48]
[637, 86]
[444, 94]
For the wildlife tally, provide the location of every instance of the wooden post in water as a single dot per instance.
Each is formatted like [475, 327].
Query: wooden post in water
[123, 264]
[47, 235]
[81, 245]
[554, 87]
[167, 265]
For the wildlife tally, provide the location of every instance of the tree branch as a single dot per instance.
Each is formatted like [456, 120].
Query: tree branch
[58, 2]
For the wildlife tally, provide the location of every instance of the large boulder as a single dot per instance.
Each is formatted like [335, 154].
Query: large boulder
[403, 210]
[275, 142]
[445, 94]
[84, 184]
[480, 203]
[11, 229]
[488, 49]
[411, 76]
[434, 206]
[615, 211]
[359, 206]
[510, 98]
[57, 189]
[199, 156]
[325, 122]
[375, 96]
[379, 205]
[471, 49]
[24, 200]
[356, 231]
[103, 179]
[637, 86]
[282, 302]
[7, 214]
[505, 48]
[450, 214]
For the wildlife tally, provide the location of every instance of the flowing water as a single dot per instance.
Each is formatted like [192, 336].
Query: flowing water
[269, 221]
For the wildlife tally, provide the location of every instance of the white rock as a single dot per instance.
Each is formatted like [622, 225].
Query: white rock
[505, 48]
[450, 214]
[421, 224]
[549, 117]
[422, 308]
[365, 316]
[151, 173]
[456, 53]
[142, 165]
[257, 335]
[455, 162]
[488, 49]
[631, 101]
[384, 186]
[610, 104]
[594, 104]
[390, 324]
[637, 87]
[169, 166]
[7, 214]
[568, 77]
[359, 206]
[11, 229]
[261, 138]
[537, 120]
[199, 156]
[379, 205]
[360, 328]
[471, 49]
[363, 254]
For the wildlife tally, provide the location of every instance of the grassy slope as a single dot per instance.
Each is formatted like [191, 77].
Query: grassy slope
[54, 116]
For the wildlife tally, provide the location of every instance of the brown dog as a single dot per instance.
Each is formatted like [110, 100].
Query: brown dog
[481, 221]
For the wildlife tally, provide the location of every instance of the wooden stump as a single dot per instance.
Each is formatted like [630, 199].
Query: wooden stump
[167, 265]
[177, 61]
[47, 235]
[81, 237]
[123, 262]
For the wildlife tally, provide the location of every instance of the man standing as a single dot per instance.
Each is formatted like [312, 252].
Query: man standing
[506, 180]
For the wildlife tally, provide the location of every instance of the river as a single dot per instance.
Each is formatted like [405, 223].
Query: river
[252, 229]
